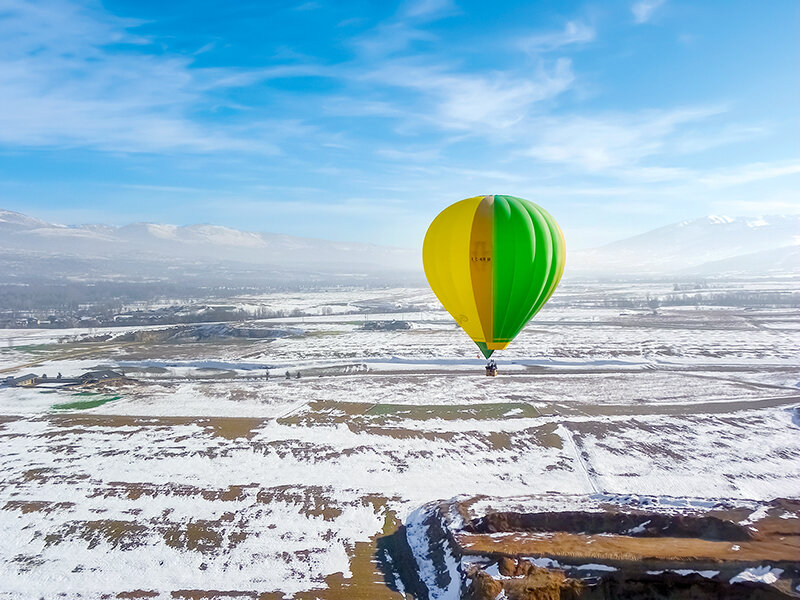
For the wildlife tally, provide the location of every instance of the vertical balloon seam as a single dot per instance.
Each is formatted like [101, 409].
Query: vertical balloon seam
[543, 263]
[500, 269]
[557, 268]
[548, 256]
[504, 263]
[544, 259]
[523, 266]
[482, 275]
[521, 227]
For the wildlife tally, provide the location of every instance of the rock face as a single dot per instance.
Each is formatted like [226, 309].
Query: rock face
[708, 527]
[484, 587]
[535, 583]
[507, 566]
[616, 548]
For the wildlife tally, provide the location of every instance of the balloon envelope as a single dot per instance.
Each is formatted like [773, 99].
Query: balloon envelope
[493, 261]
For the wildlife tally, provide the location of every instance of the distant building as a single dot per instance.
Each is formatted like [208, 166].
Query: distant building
[386, 325]
[99, 376]
[29, 380]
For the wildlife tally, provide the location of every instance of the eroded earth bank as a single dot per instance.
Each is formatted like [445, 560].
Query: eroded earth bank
[604, 547]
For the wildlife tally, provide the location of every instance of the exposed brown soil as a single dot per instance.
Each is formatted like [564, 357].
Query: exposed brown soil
[226, 427]
[614, 534]
[632, 524]
[223, 595]
[561, 545]
[638, 549]
[31, 506]
[138, 594]
[533, 583]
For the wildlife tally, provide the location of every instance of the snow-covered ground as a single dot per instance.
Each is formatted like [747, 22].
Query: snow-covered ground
[204, 475]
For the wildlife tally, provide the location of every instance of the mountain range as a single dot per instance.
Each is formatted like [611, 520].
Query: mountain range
[196, 252]
[708, 246]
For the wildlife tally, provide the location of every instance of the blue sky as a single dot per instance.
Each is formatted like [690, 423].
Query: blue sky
[362, 120]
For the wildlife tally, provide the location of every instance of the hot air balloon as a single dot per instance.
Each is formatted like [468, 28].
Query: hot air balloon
[493, 262]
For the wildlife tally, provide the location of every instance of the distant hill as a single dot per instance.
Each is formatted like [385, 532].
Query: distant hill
[780, 261]
[709, 246]
[154, 250]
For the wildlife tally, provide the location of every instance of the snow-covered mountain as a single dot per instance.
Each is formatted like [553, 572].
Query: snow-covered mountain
[709, 246]
[28, 239]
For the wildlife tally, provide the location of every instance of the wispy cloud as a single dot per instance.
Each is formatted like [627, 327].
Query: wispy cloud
[770, 204]
[482, 103]
[644, 9]
[574, 33]
[612, 141]
[392, 102]
[407, 26]
[308, 6]
[426, 9]
[68, 81]
[750, 172]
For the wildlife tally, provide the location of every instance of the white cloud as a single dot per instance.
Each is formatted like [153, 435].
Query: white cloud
[63, 86]
[749, 173]
[771, 204]
[305, 6]
[612, 141]
[390, 38]
[480, 103]
[397, 33]
[426, 9]
[424, 155]
[574, 33]
[644, 9]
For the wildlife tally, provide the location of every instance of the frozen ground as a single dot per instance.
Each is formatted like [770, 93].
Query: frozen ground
[205, 479]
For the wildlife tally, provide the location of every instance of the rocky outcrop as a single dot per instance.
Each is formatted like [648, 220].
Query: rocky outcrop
[483, 587]
[658, 525]
[616, 548]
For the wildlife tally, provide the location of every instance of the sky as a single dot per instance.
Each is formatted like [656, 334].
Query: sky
[360, 121]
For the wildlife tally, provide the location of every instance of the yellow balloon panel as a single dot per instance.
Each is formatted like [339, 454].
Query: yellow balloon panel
[446, 259]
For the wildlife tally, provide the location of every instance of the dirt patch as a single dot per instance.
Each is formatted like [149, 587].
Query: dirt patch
[307, 499]
[454, 412]
[134, 491]
[226, 427]
[565, 546]
[31, 506]
[138, 594]
[197, 536]
[220, 595]
[40, 475]
[233, 428]
[123, 535]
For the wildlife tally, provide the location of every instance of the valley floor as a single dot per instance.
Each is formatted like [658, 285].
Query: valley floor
[202, 478]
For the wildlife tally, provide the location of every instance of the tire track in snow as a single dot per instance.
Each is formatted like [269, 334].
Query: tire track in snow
[569, 442]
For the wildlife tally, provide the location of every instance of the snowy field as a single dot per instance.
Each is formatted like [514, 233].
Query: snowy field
[206, 479]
